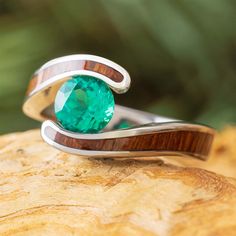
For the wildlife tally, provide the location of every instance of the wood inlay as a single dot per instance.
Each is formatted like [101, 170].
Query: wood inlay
[104, 70]
[63, 67]
[194, 143]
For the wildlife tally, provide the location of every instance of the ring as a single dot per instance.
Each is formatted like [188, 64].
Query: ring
[72, 96]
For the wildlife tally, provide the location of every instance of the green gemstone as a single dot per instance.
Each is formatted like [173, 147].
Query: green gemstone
[123, 124]
[84, 104]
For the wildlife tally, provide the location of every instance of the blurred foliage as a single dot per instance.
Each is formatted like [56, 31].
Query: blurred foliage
[181, 54]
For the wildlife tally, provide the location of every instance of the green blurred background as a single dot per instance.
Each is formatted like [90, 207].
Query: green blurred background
[181, 54]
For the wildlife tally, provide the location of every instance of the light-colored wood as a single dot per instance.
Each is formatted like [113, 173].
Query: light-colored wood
[46, 192]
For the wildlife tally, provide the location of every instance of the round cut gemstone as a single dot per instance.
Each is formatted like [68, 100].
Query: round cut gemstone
[84, 104]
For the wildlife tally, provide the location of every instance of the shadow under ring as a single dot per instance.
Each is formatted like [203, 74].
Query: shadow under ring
[150, 135]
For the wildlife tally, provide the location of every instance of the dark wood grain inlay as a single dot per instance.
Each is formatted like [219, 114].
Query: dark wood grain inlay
[104, 70]
[73, 65]
[193, 142]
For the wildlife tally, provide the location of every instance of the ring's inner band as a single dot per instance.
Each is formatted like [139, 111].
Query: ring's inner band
[39, 106]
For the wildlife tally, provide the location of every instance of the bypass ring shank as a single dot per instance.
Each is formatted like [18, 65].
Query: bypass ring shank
[150, 135]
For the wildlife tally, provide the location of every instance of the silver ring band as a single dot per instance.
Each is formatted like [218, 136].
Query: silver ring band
[150, 135]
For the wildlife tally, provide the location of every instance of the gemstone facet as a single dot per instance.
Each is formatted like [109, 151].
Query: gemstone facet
[84, 104]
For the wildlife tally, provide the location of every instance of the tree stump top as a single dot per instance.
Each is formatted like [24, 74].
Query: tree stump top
[46, 192]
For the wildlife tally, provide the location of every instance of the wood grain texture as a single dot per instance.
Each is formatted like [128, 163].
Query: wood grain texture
[46, 192]
[63, 67]
[194, 143]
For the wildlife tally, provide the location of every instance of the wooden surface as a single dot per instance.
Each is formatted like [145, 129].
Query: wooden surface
[47, 192]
